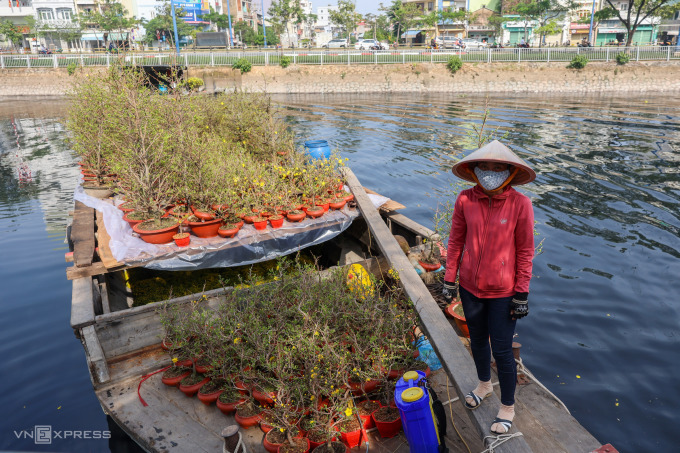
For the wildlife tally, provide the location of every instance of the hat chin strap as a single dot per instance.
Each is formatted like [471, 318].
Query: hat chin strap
[494, 191]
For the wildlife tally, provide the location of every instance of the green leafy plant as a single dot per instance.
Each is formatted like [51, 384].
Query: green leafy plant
[454, 64]
[243, 65]
[71, 68]
[285, 61]
[193, 83]
[578, 62]
[622, 58]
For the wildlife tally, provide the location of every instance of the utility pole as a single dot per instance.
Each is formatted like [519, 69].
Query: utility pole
[264, 27]
[592, 18]
[231, 38]
[174, 25]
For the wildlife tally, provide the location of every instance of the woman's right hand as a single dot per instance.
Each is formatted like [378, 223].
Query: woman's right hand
[450, 291]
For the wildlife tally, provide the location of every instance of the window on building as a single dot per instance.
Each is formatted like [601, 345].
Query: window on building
[46, 14]
[64, 14]
[623, 7]
[430, 6]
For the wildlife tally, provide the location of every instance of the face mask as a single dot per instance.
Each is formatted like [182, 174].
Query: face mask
[491, 180]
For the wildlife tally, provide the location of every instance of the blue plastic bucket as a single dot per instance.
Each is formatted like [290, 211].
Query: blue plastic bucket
[417, 418]
[317, 149]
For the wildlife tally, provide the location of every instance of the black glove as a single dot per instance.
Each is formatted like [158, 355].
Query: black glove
[449, 292]
[520, 305]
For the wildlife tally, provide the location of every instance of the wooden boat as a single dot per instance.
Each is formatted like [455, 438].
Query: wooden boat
[123, 344]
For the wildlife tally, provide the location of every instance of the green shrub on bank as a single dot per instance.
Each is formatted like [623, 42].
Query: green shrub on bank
[285, 61]
[192, 83]
[622, 58]
[243, 65]
[454, 64]
[578, 62]
[71, 68]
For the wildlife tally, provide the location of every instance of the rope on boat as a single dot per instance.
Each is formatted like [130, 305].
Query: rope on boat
[144, 378]
[498, 440]
[523, 369]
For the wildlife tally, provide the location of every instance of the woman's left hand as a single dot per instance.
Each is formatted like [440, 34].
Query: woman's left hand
[519, 308]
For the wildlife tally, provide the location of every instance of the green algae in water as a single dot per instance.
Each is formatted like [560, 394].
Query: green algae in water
[150, 286]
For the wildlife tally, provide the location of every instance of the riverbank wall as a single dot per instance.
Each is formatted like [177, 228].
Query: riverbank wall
[548, 78]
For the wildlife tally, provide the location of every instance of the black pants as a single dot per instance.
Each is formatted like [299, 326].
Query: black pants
[489, 319]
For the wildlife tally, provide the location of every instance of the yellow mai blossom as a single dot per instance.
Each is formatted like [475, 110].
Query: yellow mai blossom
[311, 398]
[174, 360]
[316, 333]
[237, 340]
[348, 411]
[281, 429]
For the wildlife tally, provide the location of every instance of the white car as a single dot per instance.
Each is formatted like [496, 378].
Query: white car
[450, 42]
[336, 43]
[366, 44]
[471, 43]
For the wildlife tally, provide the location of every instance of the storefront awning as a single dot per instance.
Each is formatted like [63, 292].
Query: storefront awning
[411, 33]
[92, 37]
[117, 36]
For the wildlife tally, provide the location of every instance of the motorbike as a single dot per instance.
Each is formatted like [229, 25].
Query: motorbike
[496, 46]
[523, 46]
[376, 47]
[45, 52]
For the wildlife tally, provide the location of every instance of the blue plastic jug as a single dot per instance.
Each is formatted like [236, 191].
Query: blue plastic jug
[317, 149]
[417, 418]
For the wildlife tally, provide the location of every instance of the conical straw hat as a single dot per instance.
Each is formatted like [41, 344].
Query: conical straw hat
[494, 152]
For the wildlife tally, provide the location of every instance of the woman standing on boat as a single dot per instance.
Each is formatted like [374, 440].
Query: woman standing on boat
[490, 249]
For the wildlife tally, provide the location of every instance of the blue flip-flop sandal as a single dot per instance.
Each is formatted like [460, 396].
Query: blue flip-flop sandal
[477, 399]
[507, 424]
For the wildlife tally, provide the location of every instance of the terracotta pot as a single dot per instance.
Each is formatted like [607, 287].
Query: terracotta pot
[249, 218]
[187, 363]
[276, 221]
[349, 197]
[387, 429]
[265, 427]
[227, 232]
[209, 398]
[174, 382]
[367, 419]
[130, 221]
[202, 214]
[162, 236]
[247, 422]
[334, 442]
[260, 224]
[351, 439]
[191, 390]
[429, 267]
[315, 214]
[338, 205]
[359, 388]
[182, 239]
[313, 444]
[264, 398]
[459, 319]
[124, 208]
[206, 229]
[98, 191]
[228, 408]
[325, 205]
[271, 447]
[296, 217]
[300, 438]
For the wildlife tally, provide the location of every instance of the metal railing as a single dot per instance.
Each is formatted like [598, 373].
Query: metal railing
[345, 57]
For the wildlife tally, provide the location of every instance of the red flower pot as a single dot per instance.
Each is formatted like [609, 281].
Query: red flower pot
[125, 208]
[387, 429]
[209, 398]
[205, 229]
[271, 447]
[349, 197]
[367, 420]
[313, 445]
[182, 239]
[265, 427]
[363, 387]
[429, 267]
[247, 422]
[162, 236]
[185, 363]
[191, 390]
[459, 319]
[263, 398]
[276, 221]
[296, 217]
[249, 218]
[338, 205]
[130, 221]
[174, 382]
[351, 439]
[228, 408]
[297, 439]
[228, 232]
[325, 206]
[203, 368]
[202, 214]
[260, 224]
[315, 214]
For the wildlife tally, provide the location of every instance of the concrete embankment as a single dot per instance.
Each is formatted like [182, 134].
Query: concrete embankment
[549, 78]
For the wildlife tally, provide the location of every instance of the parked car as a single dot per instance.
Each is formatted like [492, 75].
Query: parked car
[366, 44]
[336, 43]
[472, 43]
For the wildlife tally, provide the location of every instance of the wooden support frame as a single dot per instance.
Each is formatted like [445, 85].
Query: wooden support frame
[453, 355]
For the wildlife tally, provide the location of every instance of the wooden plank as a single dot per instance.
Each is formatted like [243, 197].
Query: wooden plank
[453, 355]
[104, 292]
[97, 268]
[411, 225]
[95, 357]
[389, 205]
[82, 308]
[103, 244]
[82, 235]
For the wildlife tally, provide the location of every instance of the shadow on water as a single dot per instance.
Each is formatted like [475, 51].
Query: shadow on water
[603, 333]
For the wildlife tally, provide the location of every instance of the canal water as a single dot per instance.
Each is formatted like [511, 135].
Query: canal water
[604, 328]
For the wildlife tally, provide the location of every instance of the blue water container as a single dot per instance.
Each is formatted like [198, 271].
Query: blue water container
[317, 149]
[417, 418]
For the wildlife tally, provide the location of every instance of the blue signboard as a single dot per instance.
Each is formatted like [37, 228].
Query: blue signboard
[193, 10]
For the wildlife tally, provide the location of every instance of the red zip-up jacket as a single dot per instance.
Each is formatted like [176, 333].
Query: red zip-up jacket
[491, 243]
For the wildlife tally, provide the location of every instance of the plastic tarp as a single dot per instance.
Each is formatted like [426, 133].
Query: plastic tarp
[248, 247]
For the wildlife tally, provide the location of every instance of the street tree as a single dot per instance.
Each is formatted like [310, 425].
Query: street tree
[346, 16]
[283, 14]
[11, 33]
[402, 16]
[543, 12]
[112, 16]
[637, 12]
[220, 21]
[161, 25]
